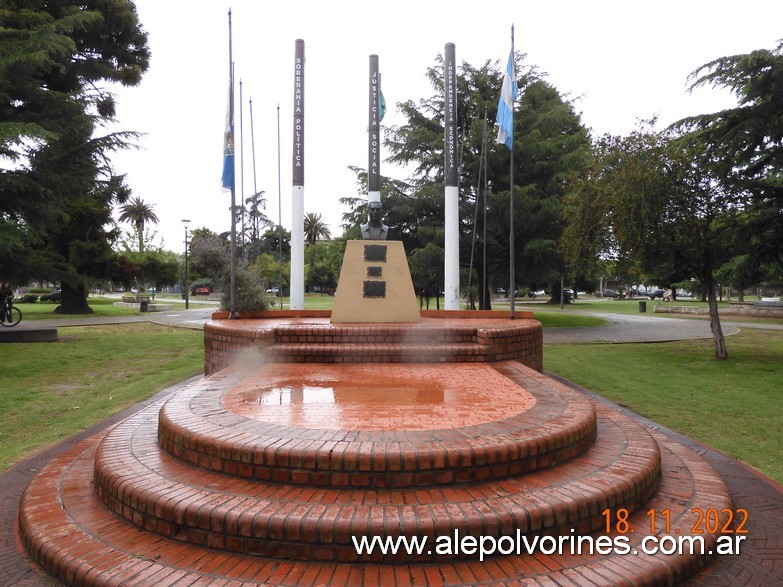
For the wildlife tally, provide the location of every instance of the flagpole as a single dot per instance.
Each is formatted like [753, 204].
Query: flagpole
[374, 134]
[242, 161]
[512, 287]
[279, 218]
[471, 302]
[451, 180]
[484, 301]
[253, 151]
[297, 199]
[232, 293]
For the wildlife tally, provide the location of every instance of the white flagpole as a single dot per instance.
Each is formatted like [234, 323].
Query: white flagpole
[451, 175]
[297, 199]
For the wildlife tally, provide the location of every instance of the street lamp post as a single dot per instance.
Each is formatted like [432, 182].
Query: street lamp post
[187, 275]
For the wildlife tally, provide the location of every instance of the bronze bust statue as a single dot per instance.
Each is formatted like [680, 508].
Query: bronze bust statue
[375, 229]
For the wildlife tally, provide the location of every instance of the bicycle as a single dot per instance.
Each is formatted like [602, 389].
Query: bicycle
[9, 315]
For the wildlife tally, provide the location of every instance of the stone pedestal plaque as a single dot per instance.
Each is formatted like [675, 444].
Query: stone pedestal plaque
[375, 285]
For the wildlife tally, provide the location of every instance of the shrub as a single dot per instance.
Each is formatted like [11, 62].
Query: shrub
[28, 298]
[52, 297]
[250, 295]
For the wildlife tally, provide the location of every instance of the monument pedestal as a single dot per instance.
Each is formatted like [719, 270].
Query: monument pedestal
[375, 285]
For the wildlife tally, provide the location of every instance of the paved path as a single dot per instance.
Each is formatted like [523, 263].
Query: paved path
[631, 328]
[620, 328]
[761, 562]
[194, 317]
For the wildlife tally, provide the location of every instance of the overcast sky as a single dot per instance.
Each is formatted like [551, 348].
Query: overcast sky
[621, 60]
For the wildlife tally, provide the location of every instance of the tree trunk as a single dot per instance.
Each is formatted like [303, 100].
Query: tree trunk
[554, 287]
[485, 301]
[74, 300]
[717, 331]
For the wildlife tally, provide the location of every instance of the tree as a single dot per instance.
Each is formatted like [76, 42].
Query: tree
[426, 265]
[322, 265]
[58, 186]
[210, 255]
[748, 140]
[273, 243]
[272, 270]
[157, 268]
[551, 145]
[315, 228]
[138, 213]
[650, 199]
[257, 220]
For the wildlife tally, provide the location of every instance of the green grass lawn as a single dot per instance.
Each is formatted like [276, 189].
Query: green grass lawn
[50, 391]
[53, 390]
[101, 307]
[734, 405]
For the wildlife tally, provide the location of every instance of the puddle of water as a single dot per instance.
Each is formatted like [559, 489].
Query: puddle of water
[376, 397]
[303, 394]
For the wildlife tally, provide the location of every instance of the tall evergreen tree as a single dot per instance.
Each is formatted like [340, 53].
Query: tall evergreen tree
[748, 141]
[58, 187]
[551, 145]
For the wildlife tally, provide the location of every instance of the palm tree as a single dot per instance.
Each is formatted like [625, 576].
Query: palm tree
[138, 212]
[315, 228]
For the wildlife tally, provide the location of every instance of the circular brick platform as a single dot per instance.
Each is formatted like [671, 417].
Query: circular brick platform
[273, 519]
[221, 486]
[475, 437]
[82, 543]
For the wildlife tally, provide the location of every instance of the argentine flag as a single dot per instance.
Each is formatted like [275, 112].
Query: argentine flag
[508, 95]
[227, 179]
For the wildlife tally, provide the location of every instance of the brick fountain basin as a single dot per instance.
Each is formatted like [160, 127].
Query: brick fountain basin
[306, 435]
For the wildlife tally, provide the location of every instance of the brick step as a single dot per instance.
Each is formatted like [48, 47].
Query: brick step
[324, 332]
[377, 334]
[370, 352]
[81, 543]
[149, 488]
[204, 425]
[315, 339]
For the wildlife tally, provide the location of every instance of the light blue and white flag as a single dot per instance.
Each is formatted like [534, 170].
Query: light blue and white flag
[508, 95]
[227, 179]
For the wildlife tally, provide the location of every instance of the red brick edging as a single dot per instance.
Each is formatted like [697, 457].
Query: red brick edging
[308, 336]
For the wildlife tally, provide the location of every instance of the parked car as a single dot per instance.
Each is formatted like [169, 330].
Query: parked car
[656, 294]
[609, 293]
[202, 291]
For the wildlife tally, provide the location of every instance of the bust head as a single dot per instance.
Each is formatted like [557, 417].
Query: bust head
[375, 229]
[375, 211]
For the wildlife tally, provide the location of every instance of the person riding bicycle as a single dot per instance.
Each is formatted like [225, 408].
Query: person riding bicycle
[6, 295]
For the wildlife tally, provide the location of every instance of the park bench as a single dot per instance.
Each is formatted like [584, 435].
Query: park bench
[135, 299]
